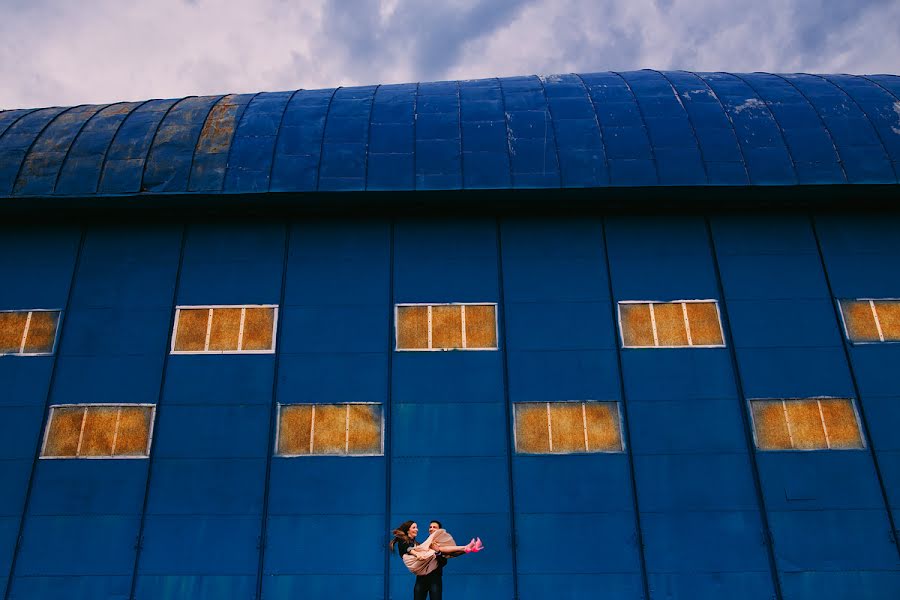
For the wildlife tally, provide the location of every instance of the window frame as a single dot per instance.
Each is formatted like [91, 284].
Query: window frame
[25, 331]
[279, 405]
[871, 302]
[687, 327]
[179, 307]
[397, 306]
[98, 457]
[515, 428]
[828, 448]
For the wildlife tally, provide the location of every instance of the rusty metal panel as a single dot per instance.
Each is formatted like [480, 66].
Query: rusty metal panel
[770, 425]
[703, 318]
[841, 423]
[446, 327]
[16, 141]
[259, 324]
[364, 436]
[603, 426]
[99, 431]
[412, 327]
[225, 329]
[191, 329]
[12, 327]
[170, 158]
[481, 326]
[294, 429]
[889, 319]
[859, 321]
[41, 336]
[45, 159]
[214, 143]
[64, 431]
[805, 423]
[670, 327]
[329, 429]
[133, 432]
[532, 434]
[567, 433]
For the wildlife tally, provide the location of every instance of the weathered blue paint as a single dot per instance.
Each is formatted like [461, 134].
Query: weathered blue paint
[639, 128]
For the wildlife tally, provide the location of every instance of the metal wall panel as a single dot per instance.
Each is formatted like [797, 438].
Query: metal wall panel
[334, 349]
[820, 525]
[700, 512]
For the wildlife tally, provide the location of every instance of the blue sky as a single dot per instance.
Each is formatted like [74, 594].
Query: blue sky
[61, 52]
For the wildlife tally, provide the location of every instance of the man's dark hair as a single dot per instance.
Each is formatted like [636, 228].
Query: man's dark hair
[438, 523]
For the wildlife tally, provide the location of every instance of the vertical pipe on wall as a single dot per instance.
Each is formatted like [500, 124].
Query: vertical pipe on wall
[386, 413]
[40, 437]
[745, 420]
[273, 415]
[626, 429]
[501, 338]
[845, 344]
[162, 384]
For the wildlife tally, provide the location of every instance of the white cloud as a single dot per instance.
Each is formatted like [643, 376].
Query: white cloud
[62, 53]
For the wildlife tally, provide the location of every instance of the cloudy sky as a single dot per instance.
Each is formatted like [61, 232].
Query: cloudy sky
[65, 52]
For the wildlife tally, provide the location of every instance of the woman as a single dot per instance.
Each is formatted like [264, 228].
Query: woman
[422, 559]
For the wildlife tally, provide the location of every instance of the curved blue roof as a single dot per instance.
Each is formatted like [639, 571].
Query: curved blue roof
[641, 128]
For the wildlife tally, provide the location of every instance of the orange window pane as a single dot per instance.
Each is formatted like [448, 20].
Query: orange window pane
[330, 429]
[446, 327]
[481, 326]
[226, 326]
[258, 326]
[637, 329]
[365, 429]
[531, 427]
[99, 431]
[805, 423]
[41, 331]
[294, 429]
[12, 326]
[770, 425]
[889, 319]
[412, 327]
[567, 427]
[602, 421]
[64, 431]
[841, 424]
[670, 324]
[191, 333]
[133, 434]
[703, 317]
[860, 321]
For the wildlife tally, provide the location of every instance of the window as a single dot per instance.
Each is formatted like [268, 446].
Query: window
[446, 327]
[678, 324]
[224, 329]
[806, 424]
[867, 321]
[28, 332]
[99, 431]
[335, 429]
[567, 427]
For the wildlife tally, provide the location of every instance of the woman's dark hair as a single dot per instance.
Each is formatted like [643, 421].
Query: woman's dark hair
[401, 534]
[438, 523]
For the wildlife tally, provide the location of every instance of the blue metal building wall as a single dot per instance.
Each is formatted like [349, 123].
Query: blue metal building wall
[695, 528]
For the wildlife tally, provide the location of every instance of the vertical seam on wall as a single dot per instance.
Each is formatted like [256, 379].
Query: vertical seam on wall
[187, 184]
[275, 150]
[273, 413]
[690, 122]
[112, 140]
[153, 140]
[626, 423]
[369, 138]
[509, 150]
[745, 419]
[324, 132]
[237, 125]
[415, 140]
[62, 164]
[787, 147]
[44, 417]
[737, 140]
[139, 542]
[848, 356]
[821, 120]
[501, 317]
[644, 123]
[52, 120]
[599, 128]
[388, 409]
[887, 154]
[548, 114]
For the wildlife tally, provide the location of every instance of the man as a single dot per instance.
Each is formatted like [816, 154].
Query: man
[431, 585]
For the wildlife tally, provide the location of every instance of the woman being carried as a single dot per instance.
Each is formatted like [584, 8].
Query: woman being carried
[422, 559]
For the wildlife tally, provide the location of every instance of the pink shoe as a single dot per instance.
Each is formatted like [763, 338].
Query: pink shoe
[470, 547]
[478, 545]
